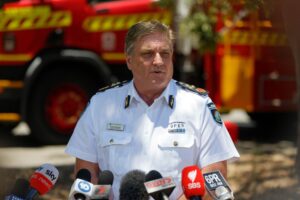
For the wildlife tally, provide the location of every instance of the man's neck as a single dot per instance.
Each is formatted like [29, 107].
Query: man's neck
[149, 95]
[149, 98]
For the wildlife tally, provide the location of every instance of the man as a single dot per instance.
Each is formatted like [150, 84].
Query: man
[151, 122]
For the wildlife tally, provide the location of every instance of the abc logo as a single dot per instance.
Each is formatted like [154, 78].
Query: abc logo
[194, 185]
[84, 186]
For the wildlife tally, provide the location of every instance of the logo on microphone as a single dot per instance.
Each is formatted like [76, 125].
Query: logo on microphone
[51, 175]
[192, 176]
[84, 186]
[214, 180]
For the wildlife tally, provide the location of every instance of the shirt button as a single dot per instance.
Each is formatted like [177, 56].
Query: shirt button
[175, 143]
[111, 141]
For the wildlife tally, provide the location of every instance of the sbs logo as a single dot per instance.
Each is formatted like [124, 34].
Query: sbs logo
[84, 186]
[194, 185]
[192, 176]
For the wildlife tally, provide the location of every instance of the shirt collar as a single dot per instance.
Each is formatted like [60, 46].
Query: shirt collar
[168, 94]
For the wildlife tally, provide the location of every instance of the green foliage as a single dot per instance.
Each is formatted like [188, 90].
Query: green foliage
[204, 16]
[202, 21]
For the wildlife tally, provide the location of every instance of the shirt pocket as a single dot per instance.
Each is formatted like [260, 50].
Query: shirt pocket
[176, 140]
[175, 152]
[115, 148]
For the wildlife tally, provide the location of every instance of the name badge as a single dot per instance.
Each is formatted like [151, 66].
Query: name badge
[115, 127]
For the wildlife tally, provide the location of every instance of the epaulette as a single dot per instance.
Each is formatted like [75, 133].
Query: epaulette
[192, 88]
[113, 85]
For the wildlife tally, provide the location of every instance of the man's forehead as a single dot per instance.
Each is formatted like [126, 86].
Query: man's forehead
[150, 43]
[151, 47]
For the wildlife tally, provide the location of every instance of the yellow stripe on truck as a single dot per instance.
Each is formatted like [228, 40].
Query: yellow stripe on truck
[14, 19]
[10, 117]
[11, 84]
[123, 22]
[15, 57]
[113, 56]
[257, 38]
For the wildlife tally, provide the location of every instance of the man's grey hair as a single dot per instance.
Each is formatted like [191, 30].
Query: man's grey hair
[144, 28]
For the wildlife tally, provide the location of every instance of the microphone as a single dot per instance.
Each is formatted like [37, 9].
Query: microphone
[81, 188]
[19, 190]
[132, 186]
[158, 187]
[192, 183]
[104, 188]
[217, 186]
[42, 180]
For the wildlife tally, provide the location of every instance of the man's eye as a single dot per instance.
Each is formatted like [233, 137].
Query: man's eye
[147, 54]
[165, 54]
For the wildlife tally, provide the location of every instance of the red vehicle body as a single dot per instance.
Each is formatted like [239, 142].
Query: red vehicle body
[55, 54]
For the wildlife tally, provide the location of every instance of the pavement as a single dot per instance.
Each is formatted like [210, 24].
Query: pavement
[17, 150]
[29, 157]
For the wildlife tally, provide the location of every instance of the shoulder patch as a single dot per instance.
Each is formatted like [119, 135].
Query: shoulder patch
[215, 113]
[114, 85]
[192, 88]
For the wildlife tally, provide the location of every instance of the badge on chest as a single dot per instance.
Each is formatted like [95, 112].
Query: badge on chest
[115, 127]
[176, 127]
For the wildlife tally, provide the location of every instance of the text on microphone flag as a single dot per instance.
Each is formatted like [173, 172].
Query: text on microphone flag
[159, 182]
[214, 180]
[38, 180]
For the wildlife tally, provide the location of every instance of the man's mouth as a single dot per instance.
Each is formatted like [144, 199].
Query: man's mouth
[157, 71]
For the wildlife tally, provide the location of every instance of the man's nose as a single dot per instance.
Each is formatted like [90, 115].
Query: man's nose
[157, 59]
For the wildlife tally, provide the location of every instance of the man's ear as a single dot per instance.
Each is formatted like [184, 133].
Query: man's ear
[128, 61]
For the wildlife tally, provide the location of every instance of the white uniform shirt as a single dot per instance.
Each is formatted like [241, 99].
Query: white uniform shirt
[120, 132]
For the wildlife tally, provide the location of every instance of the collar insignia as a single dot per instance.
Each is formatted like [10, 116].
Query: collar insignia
[171, 101]
[127, 102]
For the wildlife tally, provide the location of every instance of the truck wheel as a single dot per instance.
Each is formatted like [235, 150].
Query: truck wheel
[56, 103]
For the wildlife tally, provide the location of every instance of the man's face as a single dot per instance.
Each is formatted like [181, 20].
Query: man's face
[151, 62]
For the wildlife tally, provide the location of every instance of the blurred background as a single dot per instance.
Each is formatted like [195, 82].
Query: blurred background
[55, 54]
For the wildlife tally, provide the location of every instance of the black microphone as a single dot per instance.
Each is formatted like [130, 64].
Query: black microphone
[19, 190]
[81, 188]
[132, 186]
[104, 188]
[158, 187]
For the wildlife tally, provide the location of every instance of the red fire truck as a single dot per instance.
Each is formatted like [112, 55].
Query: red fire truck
[55, 54]
[254, 66]
[254, 69]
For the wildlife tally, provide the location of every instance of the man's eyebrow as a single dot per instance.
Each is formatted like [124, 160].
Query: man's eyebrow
[146, 50]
